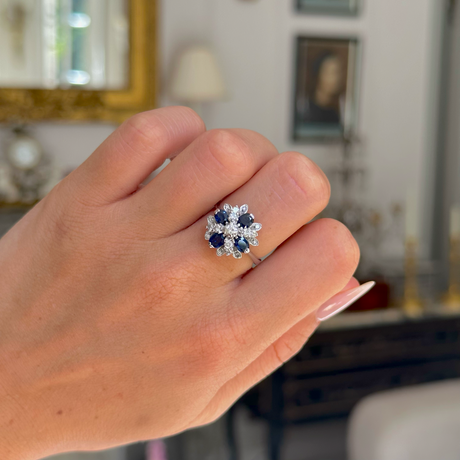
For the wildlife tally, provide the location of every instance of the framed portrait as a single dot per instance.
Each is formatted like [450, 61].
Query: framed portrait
[326, 88]
[333, 7]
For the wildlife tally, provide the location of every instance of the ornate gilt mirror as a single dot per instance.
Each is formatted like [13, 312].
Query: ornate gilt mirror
[76, 59]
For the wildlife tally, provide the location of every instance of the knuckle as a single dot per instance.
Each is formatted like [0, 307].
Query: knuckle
[304, 176]
[285, 349]
[188, 115]
[258, 141]
[344, 250]
[208, 345]
[62, 218]
[236, 327]
[289, 345]
[228, 151]
[153, 129]
[214, 337]
[144, 130]
[61, 227]
[162, 287]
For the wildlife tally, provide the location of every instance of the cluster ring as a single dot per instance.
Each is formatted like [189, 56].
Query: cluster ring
[232, 230]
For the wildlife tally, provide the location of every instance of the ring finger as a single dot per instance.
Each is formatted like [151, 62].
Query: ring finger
[285, 194]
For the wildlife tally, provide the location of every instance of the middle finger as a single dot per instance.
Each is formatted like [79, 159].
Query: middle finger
[214, 165]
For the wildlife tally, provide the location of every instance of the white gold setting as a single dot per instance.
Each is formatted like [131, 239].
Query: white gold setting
[232, 230]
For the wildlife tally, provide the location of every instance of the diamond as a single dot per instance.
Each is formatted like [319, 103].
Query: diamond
[211, 221]
[244, 209]
[227, 207]
[233, 218]
[248, 233]
[231, 230]
[237, 254]
[253, 241]
[256, 227]
[221, 251]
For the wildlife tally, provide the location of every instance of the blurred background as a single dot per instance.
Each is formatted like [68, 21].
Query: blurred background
[368, 89]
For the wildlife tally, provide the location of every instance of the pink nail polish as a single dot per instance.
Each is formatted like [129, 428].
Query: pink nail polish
[342, 301]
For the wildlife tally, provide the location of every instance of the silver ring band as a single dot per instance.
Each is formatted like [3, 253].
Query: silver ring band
[255, 260]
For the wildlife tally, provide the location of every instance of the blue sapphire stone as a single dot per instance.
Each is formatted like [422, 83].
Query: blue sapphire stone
[246, 220]
[221, 217]
[217, 240]
[241, 244]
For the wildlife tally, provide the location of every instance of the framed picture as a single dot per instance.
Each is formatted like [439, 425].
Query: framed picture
[326, 92]
[335, 7]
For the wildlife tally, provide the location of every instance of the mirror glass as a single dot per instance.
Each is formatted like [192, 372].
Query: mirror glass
[61, 44]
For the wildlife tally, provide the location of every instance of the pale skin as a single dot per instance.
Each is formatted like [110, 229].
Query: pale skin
[118, 323]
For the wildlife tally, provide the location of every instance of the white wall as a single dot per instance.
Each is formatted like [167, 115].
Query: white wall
[254, 41]
[453, 126]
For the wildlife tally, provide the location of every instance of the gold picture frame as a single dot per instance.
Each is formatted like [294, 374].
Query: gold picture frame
[32, 105]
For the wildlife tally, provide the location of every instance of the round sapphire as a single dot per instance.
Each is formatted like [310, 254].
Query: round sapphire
[241, 244]
[221, 217]
[246, 220]
[217, 240]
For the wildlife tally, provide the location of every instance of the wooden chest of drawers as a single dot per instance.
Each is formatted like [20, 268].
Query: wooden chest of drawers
[340, 366]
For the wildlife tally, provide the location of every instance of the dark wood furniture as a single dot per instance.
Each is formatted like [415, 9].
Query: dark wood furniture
[347, 361]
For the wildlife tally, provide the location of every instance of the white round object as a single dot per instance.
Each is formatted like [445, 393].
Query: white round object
[24, 153]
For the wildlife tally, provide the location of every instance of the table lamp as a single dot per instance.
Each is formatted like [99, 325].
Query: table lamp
[412, 304]
[197, 78]
[452, 298]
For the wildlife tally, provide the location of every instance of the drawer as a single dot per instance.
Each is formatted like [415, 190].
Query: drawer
[335, 393]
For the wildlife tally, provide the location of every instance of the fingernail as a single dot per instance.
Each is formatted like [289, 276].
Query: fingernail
[342, 301]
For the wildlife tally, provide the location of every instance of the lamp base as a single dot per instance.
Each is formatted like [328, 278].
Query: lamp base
[452, 301]
[413, 308]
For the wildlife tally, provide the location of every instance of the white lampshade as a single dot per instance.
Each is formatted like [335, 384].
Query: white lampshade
[197, 77]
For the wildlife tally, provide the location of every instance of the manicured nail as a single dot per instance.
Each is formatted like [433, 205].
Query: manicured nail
[342, 301]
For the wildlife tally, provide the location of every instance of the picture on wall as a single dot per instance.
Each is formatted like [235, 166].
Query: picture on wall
[347, 7]
[326, 88]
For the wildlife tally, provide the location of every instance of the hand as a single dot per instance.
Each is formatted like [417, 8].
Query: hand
[119, 324]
